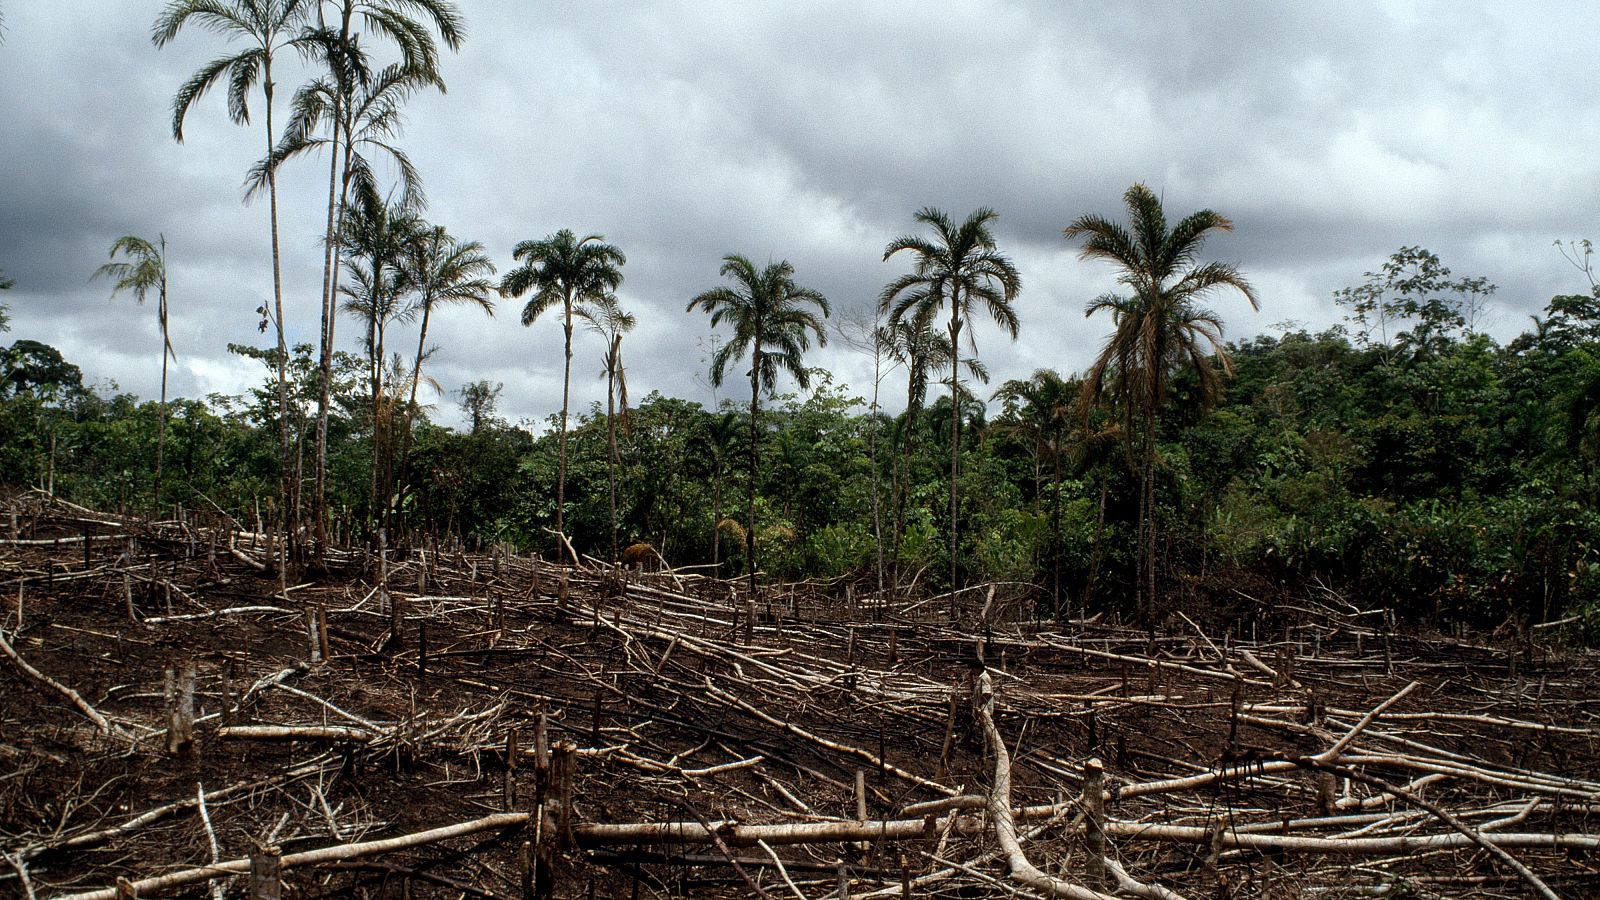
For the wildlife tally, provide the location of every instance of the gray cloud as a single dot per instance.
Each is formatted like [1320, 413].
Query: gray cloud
[1332, 134]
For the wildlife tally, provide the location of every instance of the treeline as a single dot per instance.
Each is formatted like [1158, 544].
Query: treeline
[1433, 470]
[1404, 461]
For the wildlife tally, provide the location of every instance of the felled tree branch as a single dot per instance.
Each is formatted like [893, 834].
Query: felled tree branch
[1005, 829]
[313, 857]
[106, 726]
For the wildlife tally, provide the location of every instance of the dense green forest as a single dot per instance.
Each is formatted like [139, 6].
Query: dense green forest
[1402, 460]
[1436, 472]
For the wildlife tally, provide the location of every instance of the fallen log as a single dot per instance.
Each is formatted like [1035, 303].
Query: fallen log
[735, 834]
[294, 733]
[1022, 870]
[336, 853]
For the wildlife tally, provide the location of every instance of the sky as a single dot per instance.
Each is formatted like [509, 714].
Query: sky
[1332, 134]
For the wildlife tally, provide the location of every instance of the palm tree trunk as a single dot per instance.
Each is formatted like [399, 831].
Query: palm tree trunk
[411, 403]
[375, 377]
[161, 421]
[755, 454]
[166, 346]
[872, 450]
[955, 427]
[1055, 543]
[611, 442]
[330, 257]
[286, 479]
[903, 482]
[1146, 589]
[561, 439]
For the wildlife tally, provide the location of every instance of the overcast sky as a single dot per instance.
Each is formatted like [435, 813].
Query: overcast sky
[1331, 133]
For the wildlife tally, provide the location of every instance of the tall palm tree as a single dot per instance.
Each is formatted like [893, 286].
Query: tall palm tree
[773, 324]
[362, 108]
[374, 240]
[608, 319]
[1040, 410]
[266, 27]
[350, 113]
[1159, 329]
[563, 270]
[915, 343]
[144, 269]
[963, 267]
[357, 107]
[440, 271]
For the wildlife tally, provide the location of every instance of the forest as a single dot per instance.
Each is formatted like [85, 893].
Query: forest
[1404, 459]
[1308, 613]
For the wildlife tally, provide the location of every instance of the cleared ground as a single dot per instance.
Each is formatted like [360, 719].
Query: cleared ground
[813, 743]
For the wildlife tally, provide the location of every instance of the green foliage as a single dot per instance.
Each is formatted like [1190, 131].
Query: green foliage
[1458, 481]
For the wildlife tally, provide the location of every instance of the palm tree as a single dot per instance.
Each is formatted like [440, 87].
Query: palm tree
[717, 443]
[1040, 408]
[358, 108]
[607, 318]
[266, 27]
[771, 322]
[361, 111]
[374, 240]
[961, 266]
[561, 269]
[143, 270]
[1159, 329]
[440, 271]
[923, 350]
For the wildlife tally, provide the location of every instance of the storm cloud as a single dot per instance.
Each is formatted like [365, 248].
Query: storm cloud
[1331, 134]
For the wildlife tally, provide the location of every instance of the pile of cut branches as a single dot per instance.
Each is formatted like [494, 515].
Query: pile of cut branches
[176, 717]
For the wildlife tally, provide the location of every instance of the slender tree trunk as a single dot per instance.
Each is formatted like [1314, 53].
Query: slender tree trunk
[166, 349]
[161, 421]
[872, 450]
[411, 403]
[330, 258]
[955, 427]
[755, 455]
[286, 480]
[716, 515]
[1150, 530]
[611, 437]
[561, 440]
[1055, 544]
[374, 378]
[385, 461]
[1146, 581]
[903, 485]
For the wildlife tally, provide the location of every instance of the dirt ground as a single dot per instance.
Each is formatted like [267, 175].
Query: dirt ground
[1239, 762]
